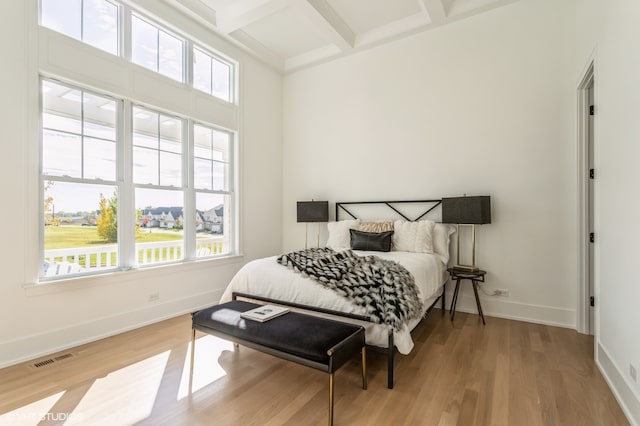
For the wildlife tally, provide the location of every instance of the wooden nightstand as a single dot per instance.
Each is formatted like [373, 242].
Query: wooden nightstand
[457, 275]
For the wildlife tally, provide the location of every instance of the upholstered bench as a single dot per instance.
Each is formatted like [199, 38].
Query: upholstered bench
[316, 342]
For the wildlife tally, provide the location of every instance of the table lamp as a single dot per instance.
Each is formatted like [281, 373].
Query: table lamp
[467, 211]
[312, 211]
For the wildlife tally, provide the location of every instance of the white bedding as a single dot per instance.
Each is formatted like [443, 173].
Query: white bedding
[266, 278]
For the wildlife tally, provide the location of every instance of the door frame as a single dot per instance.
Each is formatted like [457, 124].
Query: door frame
[587, 78]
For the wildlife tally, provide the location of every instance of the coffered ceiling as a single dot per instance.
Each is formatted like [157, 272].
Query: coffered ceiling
[292, 34]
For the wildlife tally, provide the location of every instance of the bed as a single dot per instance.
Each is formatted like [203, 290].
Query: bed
[269, 281]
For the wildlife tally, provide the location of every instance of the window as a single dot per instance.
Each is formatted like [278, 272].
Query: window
[85, 158]
[156, 49]
[125, 185]
[211, 75]
[79, 146]
[96, 23]
[212, 154]
[157, 173]
[93, 21]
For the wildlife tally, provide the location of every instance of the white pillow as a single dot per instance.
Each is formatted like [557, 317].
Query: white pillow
[339, 236]
[416, 237]
[441, 239]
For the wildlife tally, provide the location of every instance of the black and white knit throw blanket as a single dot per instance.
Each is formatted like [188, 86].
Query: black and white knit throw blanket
[385, 288]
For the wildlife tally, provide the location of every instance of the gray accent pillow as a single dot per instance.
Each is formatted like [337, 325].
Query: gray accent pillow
[370, 241]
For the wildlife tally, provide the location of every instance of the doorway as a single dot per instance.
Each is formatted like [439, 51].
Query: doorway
[587, 175]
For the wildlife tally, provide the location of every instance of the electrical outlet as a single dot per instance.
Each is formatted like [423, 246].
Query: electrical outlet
[633, 373]
[153, 297]
[502, 292]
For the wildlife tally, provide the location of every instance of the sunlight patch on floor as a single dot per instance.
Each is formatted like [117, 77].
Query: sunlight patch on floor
[206, 368]
[125, 396]
[33, 413]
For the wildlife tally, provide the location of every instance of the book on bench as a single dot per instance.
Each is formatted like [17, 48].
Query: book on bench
[264, 313]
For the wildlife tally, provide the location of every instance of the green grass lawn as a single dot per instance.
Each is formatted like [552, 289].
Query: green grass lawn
[58, 237]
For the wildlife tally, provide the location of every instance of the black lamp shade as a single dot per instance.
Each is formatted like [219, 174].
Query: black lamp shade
[467, 210]
[313, 211]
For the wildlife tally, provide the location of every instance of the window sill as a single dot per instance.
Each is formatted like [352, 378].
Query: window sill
[75, 283]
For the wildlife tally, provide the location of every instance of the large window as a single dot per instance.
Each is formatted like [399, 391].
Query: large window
[93, 21]
[125, 183]
[114, 200]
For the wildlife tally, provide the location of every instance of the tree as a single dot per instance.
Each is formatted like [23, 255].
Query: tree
[108, 218]
[49, 209]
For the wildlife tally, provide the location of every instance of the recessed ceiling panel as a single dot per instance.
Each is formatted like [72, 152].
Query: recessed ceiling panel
[364, 15]
[288, 33]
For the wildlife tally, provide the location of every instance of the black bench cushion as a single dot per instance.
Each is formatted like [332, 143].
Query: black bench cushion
[303, 335]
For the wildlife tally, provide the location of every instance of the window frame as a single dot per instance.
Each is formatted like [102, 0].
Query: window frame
[124, 46]
[126, 187]
[42, 178]
[184, 41]
[212, 55]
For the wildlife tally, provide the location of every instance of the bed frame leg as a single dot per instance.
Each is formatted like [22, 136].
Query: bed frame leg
[442, 297]
[391, 352]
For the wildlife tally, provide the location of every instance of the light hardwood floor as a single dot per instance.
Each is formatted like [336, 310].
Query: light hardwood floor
[461, 373]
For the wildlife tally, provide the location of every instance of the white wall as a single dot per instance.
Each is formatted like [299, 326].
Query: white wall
[484, 106]
[609, 32]
[39, 320]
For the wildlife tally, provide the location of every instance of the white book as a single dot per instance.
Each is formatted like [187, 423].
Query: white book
[264, 313]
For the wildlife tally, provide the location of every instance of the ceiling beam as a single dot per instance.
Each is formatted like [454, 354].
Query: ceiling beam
[328, 21]
[245, 12]
[435, 9]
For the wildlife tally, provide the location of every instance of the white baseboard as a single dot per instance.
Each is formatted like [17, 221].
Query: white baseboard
[38, 345]
[625, 395]
[500, 307]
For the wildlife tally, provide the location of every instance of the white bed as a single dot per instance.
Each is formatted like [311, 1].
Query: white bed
[420, 245]
[267, 278]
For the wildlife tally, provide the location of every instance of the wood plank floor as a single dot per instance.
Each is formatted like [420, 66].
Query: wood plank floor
[461, 373]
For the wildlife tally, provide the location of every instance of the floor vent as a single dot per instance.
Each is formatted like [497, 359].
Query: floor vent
[50, 361]
[43, 363]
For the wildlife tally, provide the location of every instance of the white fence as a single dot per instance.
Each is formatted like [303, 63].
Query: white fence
[73, 260]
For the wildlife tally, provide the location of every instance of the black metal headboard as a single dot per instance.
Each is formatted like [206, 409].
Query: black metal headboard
[429, 205]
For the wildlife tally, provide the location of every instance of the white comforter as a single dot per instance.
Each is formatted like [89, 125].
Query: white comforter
[265, 277]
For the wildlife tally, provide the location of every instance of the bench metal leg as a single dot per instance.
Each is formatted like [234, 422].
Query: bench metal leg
[364, 367]
[330, 399]
[193, 352]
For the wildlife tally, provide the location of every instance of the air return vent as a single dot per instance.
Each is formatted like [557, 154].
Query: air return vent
[52, 360]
